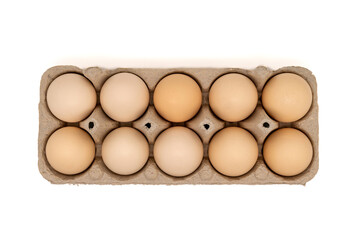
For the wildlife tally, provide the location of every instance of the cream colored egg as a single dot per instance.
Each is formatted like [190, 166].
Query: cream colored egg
[71, 97]
[233, 151]
[178, 151]
[125, 150]
[287, 97]
[288, 152]
[70, 150]
[124, 97]
[233, 97]
[177, 97]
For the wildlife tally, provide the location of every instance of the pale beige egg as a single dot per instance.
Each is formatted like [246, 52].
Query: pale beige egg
[287, 97]
[71, 97]
[177, 97]
[233, 97]
[70, 150]
[124, 97]
[125, 151]
[178, 151]
[288, 152]
[233, 151]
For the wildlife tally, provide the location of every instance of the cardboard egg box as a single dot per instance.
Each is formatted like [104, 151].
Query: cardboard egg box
[205, 124]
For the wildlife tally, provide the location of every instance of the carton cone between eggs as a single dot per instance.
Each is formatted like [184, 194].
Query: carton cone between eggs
[205, 124]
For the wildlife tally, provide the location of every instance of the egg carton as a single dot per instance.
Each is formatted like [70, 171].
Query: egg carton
[205, 124]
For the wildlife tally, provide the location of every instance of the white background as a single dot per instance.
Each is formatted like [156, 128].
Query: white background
[322, 36]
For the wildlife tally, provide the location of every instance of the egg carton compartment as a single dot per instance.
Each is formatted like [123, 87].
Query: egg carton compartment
[205, 123]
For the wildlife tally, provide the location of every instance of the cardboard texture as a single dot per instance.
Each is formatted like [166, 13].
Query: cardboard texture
[205, 124]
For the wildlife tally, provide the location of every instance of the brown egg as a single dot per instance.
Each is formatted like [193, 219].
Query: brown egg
[70, 150]
[178, 151]
[233, 97]
[233, 151]
[71, 97]
[177, 97]
[125, 150]
[124, 97]
[288, 151]
[287, 97]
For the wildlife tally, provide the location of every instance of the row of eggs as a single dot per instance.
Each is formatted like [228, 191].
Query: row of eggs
[178, 151]
[124, 97]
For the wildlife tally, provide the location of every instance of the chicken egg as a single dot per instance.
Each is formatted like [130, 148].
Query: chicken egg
[178, 151]
[125, 151]
[233, 97]
[287, 97]
[70, 150]
[124, 97]
[71, 97]
[177, 97]
[287, 151]
[233, 151]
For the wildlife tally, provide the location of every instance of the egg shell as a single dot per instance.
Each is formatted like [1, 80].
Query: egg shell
[70, 150]
[233, 151]
[125, 150]
[178, 151]
[233, 97]
[177, 97]
[124, 97]
[287, 97]
[288, 151]
[71, 97]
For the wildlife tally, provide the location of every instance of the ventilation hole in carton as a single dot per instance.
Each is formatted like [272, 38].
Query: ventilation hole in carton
[148, 125]
[91, 125]
[266, 125]
[206, 126]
